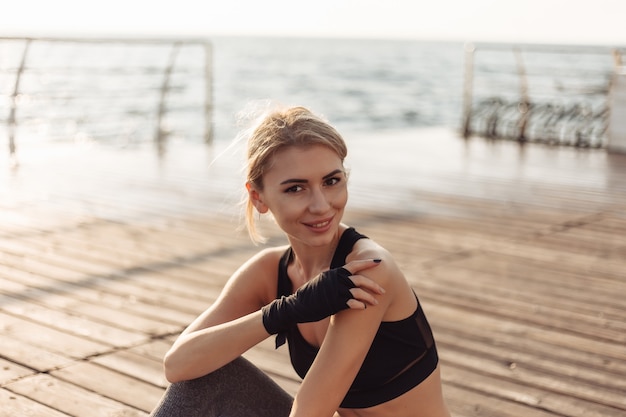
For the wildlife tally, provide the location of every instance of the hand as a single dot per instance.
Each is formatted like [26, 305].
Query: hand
[325, 295]
[365, 288]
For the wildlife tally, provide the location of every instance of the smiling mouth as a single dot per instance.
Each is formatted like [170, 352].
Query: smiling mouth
[318, 225]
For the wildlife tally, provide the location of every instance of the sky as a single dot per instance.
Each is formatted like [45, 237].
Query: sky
[525, 21]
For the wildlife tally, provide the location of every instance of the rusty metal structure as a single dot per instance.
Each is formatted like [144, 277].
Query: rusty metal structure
[106, 89]
[548, 94]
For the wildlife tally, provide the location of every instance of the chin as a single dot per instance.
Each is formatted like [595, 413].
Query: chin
[322, 238]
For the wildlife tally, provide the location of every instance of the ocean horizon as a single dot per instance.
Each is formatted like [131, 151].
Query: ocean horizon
[359, 85]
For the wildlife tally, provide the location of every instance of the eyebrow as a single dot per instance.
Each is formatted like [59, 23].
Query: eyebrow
[300, 181]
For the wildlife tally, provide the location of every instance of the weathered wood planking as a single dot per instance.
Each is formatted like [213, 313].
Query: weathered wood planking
[522, 279]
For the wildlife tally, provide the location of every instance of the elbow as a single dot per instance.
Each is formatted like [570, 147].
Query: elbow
[172, 368]
[178, 366]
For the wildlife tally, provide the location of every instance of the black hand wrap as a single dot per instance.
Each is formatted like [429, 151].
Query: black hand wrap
[323, 296]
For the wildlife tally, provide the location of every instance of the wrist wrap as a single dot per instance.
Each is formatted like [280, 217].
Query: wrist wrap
[321, 297]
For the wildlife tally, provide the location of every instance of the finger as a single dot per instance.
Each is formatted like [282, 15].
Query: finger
[363, 297]
[363, 282]
[356, 304]
[361, 264]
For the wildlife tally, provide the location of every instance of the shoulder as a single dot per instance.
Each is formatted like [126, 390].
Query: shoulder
[267, 258]
[370, 249]
[257, 277]
[399, 296]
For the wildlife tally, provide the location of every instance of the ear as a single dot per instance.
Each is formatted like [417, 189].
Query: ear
[255, 198]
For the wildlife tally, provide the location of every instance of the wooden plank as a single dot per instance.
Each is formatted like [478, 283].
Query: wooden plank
[17, 405]
[39, 358]
[69, 398]
[508, 303]
[489, 327]
[464, 401]
[111, 384]
[510, 360]
[155, 349]
[129, 250]
[274, 361]
[566, 382]
[520, 398]
[553, 276]
[10, 371]
[130, 363]
[55, 341]
[64, 279]
[80, 317]
[511, 344]
[536, 293]
[75, 324]
[66, 259]
[73, 296]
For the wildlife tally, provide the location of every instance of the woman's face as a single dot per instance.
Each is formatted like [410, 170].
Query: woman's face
[306, 191]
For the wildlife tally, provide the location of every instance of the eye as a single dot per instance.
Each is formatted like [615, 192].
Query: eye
[294, 189]
[332, 181]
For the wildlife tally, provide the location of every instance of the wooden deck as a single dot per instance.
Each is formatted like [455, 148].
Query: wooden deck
[518, 256]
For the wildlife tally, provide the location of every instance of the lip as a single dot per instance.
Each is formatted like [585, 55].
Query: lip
[319, 226]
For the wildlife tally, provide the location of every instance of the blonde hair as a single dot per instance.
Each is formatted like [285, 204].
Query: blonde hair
[277, 130]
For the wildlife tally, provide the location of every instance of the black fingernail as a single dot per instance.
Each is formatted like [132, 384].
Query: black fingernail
[377, 260]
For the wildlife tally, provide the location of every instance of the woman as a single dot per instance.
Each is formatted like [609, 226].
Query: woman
[355, 329]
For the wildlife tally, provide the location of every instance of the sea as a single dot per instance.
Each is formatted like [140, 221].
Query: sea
[84, 115]
[113, 92]
[356, 84]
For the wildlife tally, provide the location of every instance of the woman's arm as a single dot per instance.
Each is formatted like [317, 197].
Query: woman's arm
[201, 352]
[234, 324]
[231, 326]
[344, 348]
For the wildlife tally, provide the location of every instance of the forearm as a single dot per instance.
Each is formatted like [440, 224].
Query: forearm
[332, 388]
[203, 351]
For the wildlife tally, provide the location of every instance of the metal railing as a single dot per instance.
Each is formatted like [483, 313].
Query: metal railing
[549, 94]
[58, 89]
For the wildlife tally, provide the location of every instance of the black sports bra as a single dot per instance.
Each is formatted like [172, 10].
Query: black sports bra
[402, 354]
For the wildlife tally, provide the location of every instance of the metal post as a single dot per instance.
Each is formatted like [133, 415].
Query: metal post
[524, 104]
[468, 89]
[617, 58]
[160, 134]
[208, 95]
[14, 98]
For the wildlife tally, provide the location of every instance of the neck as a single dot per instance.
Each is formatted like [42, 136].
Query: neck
[309, 261]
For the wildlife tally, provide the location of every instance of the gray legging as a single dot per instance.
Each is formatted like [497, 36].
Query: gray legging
[238, 389]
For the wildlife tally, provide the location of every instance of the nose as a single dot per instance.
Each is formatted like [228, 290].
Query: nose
[319, 201]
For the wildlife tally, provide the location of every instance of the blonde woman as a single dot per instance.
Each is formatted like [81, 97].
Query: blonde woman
[355, 330]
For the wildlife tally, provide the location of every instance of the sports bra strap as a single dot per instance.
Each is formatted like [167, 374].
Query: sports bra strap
[346, 242]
